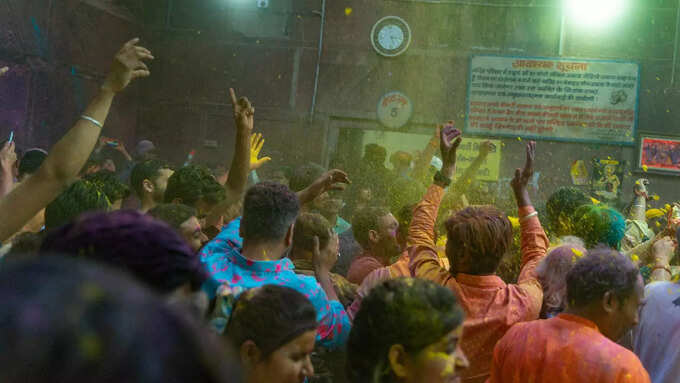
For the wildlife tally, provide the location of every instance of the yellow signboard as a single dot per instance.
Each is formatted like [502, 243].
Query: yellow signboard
[468, 151]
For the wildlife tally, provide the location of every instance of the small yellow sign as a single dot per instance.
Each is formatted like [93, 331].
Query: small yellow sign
[469, 150]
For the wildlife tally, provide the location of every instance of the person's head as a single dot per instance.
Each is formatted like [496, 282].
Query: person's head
[82, 196]
[194, 186]
[308, 226]
[477, 239]
[68, 320]
[274, 329]
[401, 161]
[281, 175]
[149, 179]
[407, 330]
[552, 273]
[599, 225]
[305, 175]
[111, 186]
[109, 165]
[560, 209]
[269, 213]
[145, 150]
[375, 229]
[606, 287]
[92, 165]
[404, 217]
[375, 155]
[31, 162]
[132, 241]
[183, 219]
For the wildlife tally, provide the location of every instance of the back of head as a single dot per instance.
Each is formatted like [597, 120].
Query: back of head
[599, 225]
[305, 175]
[109, 184]
[308, 226]
[552, 273]
[270, 316]
[146, 170]
[129, 240]
[411, 312]
[144, 149]
[193, 183]
[82, 196]
[401, 159]
[174, 214]
[68, 320]
[31, 162]
[375, 154]
[600, 271]
[564, 202]
[365, 220]
[268, 211]
[477, 239]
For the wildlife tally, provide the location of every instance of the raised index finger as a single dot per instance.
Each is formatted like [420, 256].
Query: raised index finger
[234, 101]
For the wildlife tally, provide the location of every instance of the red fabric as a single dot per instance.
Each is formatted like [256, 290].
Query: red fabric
[564, 349]
[362, 266]
[491, 306]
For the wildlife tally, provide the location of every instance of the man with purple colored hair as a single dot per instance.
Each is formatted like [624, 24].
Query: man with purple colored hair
[149, 249]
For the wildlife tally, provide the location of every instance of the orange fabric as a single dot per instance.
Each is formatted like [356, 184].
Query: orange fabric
[564, 349]
[491, 306]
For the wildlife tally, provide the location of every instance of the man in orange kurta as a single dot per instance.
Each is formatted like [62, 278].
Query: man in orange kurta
[490, 305]
[605, 293]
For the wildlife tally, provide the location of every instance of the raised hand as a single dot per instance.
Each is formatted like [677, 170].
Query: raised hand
[8, 157]
[256, 143]
[335, 179]
[244, 112]
[521, 180]
[640, 188]
[485, 148]
[128, 64]
[325, 259]
[449, 140]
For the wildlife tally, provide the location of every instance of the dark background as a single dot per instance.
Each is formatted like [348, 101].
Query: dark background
[59, 50]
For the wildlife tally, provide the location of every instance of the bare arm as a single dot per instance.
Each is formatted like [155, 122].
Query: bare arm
[324, 260]
[423, 162]
[8, 160]
[331, 180]
[69, 155]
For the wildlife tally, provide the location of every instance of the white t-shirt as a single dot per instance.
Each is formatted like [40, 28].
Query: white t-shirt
[657, 336]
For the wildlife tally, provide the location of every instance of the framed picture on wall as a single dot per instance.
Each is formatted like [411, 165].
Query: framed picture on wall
[659, 154]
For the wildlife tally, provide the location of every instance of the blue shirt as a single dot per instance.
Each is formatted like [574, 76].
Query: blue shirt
[223, 259]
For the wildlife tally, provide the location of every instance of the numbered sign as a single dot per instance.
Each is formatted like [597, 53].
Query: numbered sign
[394, 110]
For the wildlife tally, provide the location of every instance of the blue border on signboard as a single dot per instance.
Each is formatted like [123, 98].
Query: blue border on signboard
[558, 139]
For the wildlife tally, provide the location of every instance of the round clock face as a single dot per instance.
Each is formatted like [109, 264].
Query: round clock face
[391, 36]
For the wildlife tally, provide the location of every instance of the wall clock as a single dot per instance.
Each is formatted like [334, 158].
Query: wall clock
[391, 36]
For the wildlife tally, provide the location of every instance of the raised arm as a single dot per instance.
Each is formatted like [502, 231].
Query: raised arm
[423, 162]
[8, 160]
[237, 180]
[424, 262]
[534, 242]
[68, 155]
[334, 179]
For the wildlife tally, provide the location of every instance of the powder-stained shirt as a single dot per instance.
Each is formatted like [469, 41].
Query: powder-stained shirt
[564, 349]
[490, 305]
[225, 264]
[361, 266]
[657, 336]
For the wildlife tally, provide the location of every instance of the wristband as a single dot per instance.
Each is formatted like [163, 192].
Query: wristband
[92, 120]
[442, 179]
[526, 217]
[667, 268]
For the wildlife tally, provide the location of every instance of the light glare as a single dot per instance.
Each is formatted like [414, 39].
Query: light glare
[594, 13]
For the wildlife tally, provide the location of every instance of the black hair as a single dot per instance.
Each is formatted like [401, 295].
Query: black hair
[268, 211]
[600, 271]
[564, 201]
[132, 241]
[31, 162]
[412, 312]
[146, 170]
[173, 214]
[82, 196]
[305, 175]
[599, 225]
[108, 183]
[308, 226]
[193, 183]
[364, 220]
[86, 322]
[270, 316]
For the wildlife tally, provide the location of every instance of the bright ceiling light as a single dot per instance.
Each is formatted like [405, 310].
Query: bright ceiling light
[594, 13]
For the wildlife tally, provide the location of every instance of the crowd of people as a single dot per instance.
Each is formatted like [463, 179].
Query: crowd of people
[122, 267]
